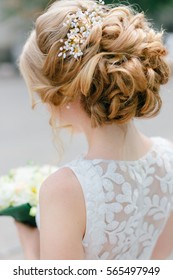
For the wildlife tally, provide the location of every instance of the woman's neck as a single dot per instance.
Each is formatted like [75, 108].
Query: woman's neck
[119, 142]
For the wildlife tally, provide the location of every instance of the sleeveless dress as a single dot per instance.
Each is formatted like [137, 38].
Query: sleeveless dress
[127, 202]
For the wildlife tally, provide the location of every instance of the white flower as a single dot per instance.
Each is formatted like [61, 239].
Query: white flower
[80, 25]
[22, 185]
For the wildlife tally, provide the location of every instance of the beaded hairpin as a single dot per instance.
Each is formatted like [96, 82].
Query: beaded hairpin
[80, 25]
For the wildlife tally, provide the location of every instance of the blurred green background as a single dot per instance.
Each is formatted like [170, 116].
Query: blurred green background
[17, 16]
[159, 10]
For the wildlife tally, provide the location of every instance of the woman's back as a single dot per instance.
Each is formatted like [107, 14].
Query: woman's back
[127, 202]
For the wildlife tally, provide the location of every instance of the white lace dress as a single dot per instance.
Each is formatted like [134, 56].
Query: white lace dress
[127, 202]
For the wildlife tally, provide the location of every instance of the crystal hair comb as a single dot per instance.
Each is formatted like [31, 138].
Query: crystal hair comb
[80, 25]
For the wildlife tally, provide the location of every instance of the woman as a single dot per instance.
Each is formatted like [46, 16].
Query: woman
[97, 68]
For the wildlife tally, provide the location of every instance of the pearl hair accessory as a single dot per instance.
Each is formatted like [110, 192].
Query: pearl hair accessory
[80, 25]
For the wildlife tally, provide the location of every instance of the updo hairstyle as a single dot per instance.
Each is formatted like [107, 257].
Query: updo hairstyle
[117, 78]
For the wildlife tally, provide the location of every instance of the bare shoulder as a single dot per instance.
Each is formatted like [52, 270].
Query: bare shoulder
[62, 209]
[60, 183]
[62, 192]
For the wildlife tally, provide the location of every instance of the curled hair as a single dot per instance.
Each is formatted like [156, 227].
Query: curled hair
[117, 78]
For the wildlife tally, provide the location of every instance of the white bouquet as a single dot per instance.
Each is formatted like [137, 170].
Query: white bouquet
[19, 191]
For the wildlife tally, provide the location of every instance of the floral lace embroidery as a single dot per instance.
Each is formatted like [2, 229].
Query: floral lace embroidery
[127, 203]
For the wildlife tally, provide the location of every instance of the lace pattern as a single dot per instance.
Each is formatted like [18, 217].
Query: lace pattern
[127, 202]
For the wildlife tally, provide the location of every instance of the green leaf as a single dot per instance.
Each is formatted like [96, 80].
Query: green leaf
[20, 213]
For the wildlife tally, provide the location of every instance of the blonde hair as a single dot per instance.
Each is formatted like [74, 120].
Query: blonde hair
[117, 78]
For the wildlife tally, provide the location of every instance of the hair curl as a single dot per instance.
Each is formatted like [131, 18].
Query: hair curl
[119, 75]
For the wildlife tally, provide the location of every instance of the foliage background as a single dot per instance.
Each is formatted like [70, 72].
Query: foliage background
[161, 11]
[17, 17]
